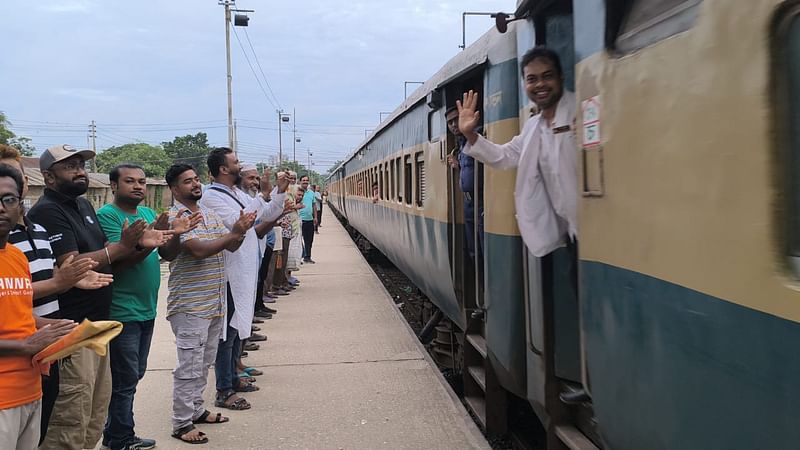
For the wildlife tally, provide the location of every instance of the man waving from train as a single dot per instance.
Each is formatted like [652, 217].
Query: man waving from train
[545, 156]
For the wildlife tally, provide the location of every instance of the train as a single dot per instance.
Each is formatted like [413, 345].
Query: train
[683, 332]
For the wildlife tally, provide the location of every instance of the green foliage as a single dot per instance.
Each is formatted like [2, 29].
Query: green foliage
[190, 149]
[7, 136]
[23, 144]
[314, 177]
[152, 158]
[333, 167]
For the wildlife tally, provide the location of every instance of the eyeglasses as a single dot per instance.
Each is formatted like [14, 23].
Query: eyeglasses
[9, 201]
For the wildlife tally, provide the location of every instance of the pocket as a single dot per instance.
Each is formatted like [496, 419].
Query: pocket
[190, 354]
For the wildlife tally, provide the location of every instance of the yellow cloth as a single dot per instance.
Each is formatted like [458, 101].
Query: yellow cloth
[93, 335]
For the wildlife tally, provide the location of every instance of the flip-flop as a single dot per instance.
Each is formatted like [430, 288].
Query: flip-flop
[203, 419]
[178, 434]
[251, 346]
[253, 372]
[245, 377]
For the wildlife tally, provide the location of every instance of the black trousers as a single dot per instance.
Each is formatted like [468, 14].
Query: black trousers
[319, 216]
[308, 238]
[262, 276]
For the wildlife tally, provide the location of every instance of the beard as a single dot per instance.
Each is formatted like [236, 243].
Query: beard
[72, 189]
[238, 181]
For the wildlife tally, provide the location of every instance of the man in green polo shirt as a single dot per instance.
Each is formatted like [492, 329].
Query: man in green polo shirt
[135, 294]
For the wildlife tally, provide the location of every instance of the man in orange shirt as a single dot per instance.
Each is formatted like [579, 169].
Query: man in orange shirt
[22, 335]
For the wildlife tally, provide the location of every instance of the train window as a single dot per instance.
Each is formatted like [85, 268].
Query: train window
[398, 179]
[386, 181]
[788, 104]
[380, 180]
[421, 180]
[391, 179]
[436, 125]
[408, 177]
[641, 23]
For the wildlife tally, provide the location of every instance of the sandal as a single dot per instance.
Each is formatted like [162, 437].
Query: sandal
[180, 435]
[244, 386]
[217, 418]
[251, 347]
[240, 404]
[245, 377]
[253, 372]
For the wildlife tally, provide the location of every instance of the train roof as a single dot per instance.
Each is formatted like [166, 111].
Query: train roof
[473, 56]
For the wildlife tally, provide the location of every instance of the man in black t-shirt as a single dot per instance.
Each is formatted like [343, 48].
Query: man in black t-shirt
[48, 280]
[85, 387]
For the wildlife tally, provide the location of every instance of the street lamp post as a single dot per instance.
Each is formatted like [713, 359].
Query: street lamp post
[281, 118]
[240, 21]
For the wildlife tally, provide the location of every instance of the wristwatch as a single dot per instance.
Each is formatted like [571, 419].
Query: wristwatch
[139, 248]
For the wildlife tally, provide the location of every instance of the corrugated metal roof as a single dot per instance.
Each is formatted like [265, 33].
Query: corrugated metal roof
[96, 180]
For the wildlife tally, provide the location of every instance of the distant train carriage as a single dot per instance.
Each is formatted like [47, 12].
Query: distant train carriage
[685, 327]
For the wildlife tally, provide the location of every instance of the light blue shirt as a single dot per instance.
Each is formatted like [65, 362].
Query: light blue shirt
[307, 213]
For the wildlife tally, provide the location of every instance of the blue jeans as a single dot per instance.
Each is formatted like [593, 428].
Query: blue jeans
[228, 353]
[128, 353]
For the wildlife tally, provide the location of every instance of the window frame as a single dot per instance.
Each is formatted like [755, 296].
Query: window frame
[650, 30]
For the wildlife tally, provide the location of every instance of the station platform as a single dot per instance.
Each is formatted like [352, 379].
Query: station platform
[342, 370]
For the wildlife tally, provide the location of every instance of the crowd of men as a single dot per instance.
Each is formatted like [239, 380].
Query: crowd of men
[63, 262]
[66, 263]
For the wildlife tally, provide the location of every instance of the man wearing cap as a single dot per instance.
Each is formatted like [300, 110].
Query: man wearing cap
[249, 184]
[70, 220]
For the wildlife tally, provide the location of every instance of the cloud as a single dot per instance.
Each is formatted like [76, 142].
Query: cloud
[67, 6]
[87, 94]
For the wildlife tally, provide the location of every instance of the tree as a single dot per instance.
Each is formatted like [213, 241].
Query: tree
[333, 167]
[8, 137]
[300, 169]
[190, 149]
[23, 144]
[152, 158]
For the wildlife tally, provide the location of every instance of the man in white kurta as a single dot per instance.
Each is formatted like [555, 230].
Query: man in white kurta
[544, 154]
[241, 270]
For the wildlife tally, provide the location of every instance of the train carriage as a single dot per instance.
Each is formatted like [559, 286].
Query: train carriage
[684, 326]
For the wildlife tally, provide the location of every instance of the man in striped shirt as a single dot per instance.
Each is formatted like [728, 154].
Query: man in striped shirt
[48, 280]
[196, 301]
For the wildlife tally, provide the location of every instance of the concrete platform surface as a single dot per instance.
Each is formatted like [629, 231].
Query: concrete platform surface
[342, 370]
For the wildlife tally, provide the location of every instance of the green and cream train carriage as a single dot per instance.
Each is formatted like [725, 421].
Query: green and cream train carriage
[686, 331]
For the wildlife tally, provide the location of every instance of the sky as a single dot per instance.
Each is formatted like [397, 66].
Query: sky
[148, 71]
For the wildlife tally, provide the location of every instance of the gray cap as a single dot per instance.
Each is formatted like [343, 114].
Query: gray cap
[59, 153]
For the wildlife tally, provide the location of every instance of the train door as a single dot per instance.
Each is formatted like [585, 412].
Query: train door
[463, 210]
[555, 380]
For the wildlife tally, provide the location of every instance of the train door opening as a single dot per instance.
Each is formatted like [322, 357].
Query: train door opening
[465, 202]
[556, 375]
[482, 392]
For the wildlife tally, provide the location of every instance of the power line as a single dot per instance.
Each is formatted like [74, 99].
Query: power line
[253, 70]
[246, 35]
